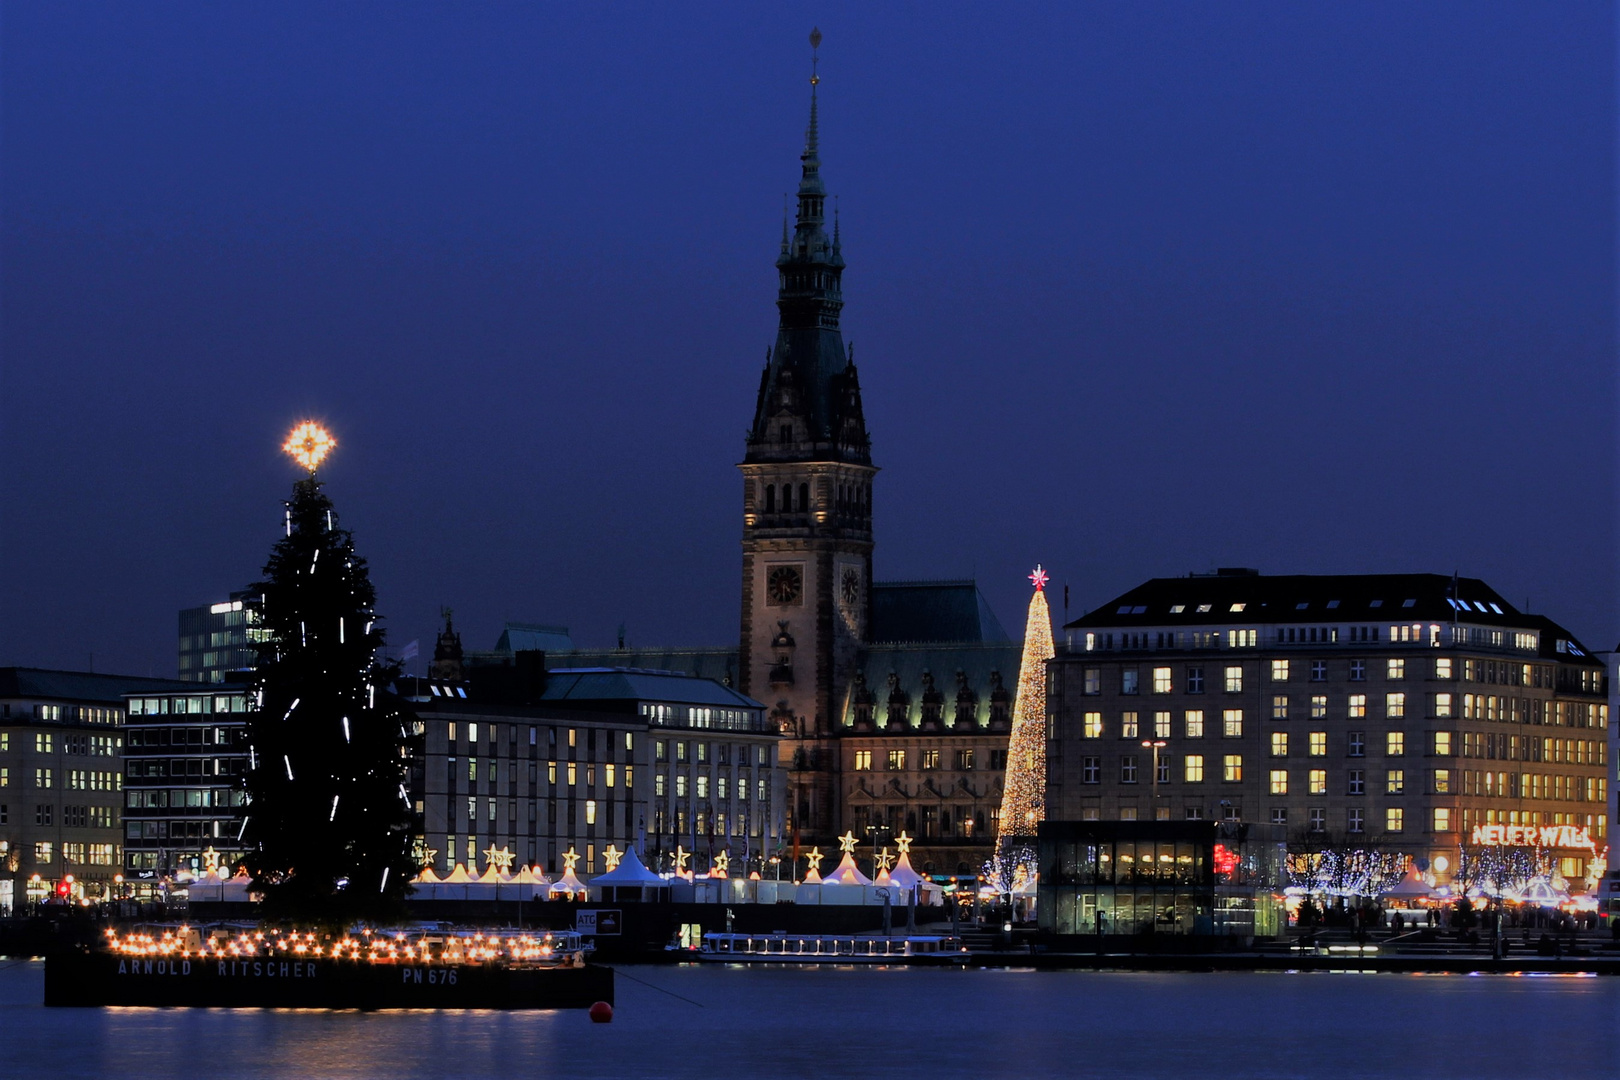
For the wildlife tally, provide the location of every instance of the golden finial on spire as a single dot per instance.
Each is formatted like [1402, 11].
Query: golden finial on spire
[815, 43]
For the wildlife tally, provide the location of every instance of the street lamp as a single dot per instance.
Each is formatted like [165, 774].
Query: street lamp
[1156, 745]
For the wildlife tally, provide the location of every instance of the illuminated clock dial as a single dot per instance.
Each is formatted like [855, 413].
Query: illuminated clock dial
[784, 585]
[851, 587]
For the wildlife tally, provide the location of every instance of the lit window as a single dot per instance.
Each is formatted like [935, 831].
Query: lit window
[863, 761]
[930, 759]
[1279, 744]
[1318, 781]
[1442, 705]
[1161, 725]
[1128, 727]
[1395, 670]
[1442, 667]
[1442, 743]
[1279, 671]
[897, 760]
[1236, 607]
[1232, 723]
[1394, 706]
[590, 811]
[1279, 781]
[1442, 782]
[1442, 819]
[1358, 704]
[1318, 744]
[1394, 819]
[1161, 680]
[1318, 706]
[1194, 723]
[1092, 725]
[1192, 768]
[1234, 678]
[1279, 706]
[1395, 743]
[1232, 768]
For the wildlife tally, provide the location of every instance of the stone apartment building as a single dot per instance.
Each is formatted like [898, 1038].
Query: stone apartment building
[1406, 712]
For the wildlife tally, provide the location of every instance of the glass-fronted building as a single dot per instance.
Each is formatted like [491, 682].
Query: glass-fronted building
[216, 639]
[184, 758]
[1135, 878]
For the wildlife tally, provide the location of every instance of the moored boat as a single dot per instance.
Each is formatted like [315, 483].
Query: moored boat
[266, 969]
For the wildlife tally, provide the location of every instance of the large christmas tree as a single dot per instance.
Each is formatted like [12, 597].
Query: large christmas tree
[329, 818]
[1023, 798]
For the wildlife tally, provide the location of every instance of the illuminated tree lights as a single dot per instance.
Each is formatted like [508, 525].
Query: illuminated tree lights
[329, 819]
[1023, 798]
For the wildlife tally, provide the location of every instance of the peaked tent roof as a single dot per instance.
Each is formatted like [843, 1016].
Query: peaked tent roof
[847, 873]
[629, 873]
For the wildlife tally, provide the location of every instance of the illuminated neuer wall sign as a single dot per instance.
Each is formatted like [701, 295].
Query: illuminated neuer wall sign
[1547, 836]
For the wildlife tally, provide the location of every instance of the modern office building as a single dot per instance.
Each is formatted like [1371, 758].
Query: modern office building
[61, 746]
[1414, 713]
[185, 753]
[537, 762]
[218, 639]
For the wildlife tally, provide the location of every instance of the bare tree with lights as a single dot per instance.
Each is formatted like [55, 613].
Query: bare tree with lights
[329, 823]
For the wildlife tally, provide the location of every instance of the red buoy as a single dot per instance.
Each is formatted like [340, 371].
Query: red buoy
[601, 1013]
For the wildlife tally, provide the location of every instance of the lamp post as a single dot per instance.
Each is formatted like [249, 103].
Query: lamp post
[1156, 745]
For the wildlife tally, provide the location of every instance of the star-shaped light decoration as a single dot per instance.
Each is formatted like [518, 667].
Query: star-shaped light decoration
[814, 858]
[612, 854]
[308, 444]
[847, 842]
[210, 859]
[722, 864]
[884, 859]
[500, 858]
[1039, 578]
[424, 854]
[681, 858]
[570, 857]
[903, 842]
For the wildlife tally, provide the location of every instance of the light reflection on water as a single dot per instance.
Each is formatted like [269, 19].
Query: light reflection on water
[941, 1023]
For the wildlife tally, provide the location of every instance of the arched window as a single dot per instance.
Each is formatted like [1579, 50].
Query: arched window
[804, 497]
[770, 498]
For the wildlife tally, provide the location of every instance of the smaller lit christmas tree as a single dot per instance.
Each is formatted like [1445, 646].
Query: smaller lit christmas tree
[1023, 796]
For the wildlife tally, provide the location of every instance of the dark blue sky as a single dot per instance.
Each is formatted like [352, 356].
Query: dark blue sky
[1135, 290]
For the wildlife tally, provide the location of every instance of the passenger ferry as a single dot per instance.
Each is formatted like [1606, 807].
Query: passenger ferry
[188, 966]
[831, 949]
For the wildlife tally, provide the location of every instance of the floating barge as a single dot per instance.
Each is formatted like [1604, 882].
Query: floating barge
[190, 969]
[831, 949]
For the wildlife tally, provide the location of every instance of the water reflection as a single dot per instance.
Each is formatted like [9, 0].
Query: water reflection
[911, 1021]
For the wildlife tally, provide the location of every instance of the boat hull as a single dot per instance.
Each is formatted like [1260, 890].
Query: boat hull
[99, 979]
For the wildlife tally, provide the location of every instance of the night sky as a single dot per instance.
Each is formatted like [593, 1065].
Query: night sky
[1135, 290]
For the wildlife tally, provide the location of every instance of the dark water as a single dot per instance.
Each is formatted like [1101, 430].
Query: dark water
[799, 1022]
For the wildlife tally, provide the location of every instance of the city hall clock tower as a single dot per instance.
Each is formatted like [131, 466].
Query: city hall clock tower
[807, 511]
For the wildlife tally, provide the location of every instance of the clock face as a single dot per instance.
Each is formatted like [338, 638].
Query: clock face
[784, 585]
[851, 587]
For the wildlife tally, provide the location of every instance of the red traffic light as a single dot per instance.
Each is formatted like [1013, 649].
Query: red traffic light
[63, 888]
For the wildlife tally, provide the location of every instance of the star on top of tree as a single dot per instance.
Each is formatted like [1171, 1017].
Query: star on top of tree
[570, 857]
[903, 842]
[612, 854]
[814, 857]
[847, 842]
[1039, 578]
[681, 857]
[500, 858]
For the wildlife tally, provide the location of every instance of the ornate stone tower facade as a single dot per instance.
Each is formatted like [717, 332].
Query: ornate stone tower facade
[807, 512]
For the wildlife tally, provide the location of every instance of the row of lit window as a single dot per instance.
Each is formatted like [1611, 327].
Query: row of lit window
[662, 785]
[73, 853]
[929, 759]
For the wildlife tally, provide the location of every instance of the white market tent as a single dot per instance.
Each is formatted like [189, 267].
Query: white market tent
[630, 880]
